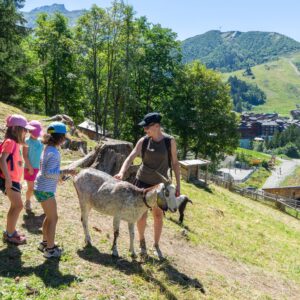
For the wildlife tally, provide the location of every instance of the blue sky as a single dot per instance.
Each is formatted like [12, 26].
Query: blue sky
[191, 17]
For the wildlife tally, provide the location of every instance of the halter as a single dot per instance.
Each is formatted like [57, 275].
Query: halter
[144, 199]
[158, 196]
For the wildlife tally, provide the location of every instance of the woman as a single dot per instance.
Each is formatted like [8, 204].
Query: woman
[158, 152]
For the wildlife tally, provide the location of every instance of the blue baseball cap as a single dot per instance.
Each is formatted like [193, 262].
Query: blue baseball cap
[57, 127]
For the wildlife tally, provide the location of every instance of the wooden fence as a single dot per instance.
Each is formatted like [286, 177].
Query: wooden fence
[280, 202]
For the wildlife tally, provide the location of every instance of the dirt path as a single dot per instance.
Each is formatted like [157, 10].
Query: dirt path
[294, 67]
[281, 172]
[197, 260]
[187, 264]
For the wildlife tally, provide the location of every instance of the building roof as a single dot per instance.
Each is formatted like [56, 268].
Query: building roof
[269, 123]
[90, 125]
[194, 162]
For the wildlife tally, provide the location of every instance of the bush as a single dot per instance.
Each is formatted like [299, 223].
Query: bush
[289, 150]
[265, 165]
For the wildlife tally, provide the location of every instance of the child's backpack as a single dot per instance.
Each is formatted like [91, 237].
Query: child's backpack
[10, 158]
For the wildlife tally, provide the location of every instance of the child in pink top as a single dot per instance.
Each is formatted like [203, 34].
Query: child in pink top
[11, 166]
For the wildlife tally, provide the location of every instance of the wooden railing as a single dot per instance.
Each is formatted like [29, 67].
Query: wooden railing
[281, 202]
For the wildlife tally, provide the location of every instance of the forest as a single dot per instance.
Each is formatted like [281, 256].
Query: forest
[113, 67]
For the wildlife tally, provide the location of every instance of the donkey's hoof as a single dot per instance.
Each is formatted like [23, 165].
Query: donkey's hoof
[115, 254]
[88, 243]
[133, 255]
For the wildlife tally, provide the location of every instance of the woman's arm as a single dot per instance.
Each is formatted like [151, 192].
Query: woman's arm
[175, 166]
[128, 161]
[4, 169]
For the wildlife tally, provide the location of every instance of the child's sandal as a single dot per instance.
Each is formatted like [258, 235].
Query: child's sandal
[16, 238]
[42, 246]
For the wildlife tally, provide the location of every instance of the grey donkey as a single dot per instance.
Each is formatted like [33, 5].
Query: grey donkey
[120, 199]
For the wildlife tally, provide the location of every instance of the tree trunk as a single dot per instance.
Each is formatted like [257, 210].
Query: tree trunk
[96, 91]
[46, 93]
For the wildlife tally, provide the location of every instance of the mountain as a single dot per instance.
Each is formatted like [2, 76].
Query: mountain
[280, 81]
[51, 9]
[234, 50]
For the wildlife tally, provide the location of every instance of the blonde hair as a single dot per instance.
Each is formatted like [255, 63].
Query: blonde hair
[15, 133]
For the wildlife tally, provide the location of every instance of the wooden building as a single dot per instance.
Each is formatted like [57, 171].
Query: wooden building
[88, 127]
[292, 192]
[190, 169]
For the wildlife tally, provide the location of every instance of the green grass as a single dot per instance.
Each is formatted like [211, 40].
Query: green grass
[280, 82]
[233, 247]
[6, 110]
[257, 179]
[253, 154]
[251, 235]
[228, 230]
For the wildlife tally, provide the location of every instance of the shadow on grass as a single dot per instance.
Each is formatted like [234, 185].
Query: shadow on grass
[33, 223]
[199, 184]
[11, 266]
[182, 225]
[92, 254]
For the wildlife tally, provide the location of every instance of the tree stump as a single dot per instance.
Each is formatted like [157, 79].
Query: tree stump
[107, 157]
[131, 173]
[75, 145]
[112, 155]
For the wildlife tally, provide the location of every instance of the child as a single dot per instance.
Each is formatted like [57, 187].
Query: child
[11, 166]
[46, 183]
[32, 156]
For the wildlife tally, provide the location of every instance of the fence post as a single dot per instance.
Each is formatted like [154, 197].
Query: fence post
[278, 204]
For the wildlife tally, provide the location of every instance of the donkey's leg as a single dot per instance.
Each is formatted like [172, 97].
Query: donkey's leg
[85, 210]
[131, 237]
[116, 224]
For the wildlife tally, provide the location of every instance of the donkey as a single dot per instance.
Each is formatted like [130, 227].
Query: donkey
[120, 199]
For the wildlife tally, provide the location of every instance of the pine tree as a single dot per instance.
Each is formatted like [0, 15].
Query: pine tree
[12, 31]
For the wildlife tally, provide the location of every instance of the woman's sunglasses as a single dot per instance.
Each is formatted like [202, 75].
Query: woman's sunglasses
[148, 126]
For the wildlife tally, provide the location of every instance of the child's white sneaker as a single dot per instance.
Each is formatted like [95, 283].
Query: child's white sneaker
[53, 252]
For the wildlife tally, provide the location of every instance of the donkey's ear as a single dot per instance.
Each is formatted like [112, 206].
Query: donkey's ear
[163, 178]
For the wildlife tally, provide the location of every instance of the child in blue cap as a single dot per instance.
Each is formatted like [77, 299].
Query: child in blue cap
[46, 183]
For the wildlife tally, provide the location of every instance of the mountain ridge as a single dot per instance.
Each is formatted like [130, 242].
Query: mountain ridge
[234, 50]
[72, 15]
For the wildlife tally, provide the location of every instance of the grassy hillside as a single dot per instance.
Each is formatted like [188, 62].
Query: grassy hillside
[251, 154]
[280, 80]
[234, 50]
[230, 247]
